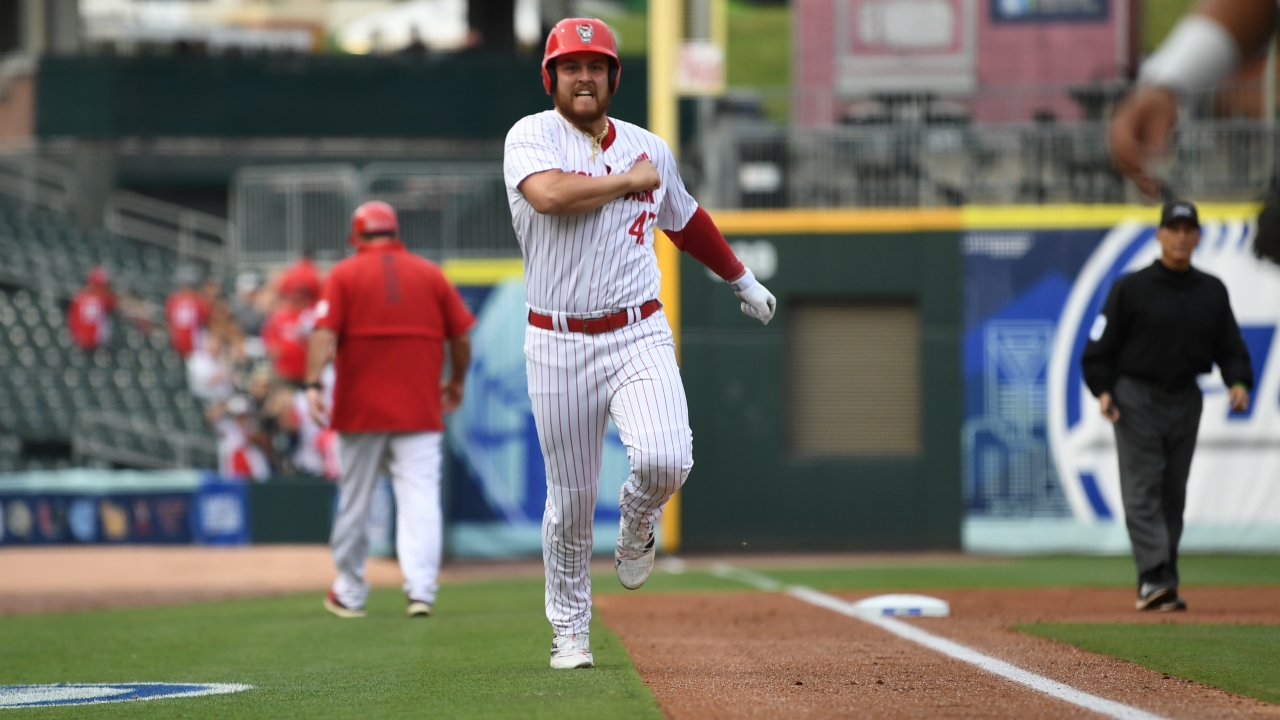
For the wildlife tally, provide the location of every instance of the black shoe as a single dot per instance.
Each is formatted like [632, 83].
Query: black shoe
[1151, 597]
[1173, 605]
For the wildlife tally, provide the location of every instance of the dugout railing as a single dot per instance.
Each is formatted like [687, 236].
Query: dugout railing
[115, 438]
[191, 234]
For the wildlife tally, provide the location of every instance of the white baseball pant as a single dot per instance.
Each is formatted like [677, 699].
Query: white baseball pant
[413, 461]
[576, 383]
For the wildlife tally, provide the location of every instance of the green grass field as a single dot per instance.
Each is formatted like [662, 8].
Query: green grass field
[1244, 659]
[483, 656]
[485, 653]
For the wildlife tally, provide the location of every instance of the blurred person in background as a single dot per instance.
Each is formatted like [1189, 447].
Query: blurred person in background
[1205, 47]
[89, 316]
[186, 310]
[385, 321]
[242, 450]
[244, 306]
[211, 370]
[287, 329]
[220, 324]
[274, 414]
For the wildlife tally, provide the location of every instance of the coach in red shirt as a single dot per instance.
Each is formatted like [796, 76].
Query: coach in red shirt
[389, 314]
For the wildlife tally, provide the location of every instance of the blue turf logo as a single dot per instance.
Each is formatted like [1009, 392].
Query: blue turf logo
[20, 696]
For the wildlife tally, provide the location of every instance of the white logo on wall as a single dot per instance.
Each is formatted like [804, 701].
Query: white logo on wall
[1235, 476]
[221, 514]
[760, 257]
[21, 696]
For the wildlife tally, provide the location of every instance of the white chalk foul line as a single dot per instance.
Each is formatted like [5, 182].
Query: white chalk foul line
[952, 649]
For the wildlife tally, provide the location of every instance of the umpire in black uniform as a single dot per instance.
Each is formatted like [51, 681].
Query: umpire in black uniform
[1161, 327]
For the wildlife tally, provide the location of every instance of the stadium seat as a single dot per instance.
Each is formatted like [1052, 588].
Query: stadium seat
[44, 258]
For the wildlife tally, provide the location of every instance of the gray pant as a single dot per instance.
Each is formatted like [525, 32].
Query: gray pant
[413, 461]
[1155, 438]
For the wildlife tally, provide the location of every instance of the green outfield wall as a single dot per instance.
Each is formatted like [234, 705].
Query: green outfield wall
[754, 487]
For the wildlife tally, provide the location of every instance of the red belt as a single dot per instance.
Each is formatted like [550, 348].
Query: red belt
[593, 326]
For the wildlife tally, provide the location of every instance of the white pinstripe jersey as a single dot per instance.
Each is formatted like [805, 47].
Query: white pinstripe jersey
[602, 261]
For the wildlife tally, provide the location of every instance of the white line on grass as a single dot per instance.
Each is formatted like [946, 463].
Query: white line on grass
[1110, 708]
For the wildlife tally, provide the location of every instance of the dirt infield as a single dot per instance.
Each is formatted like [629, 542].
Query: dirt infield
[769, 655]
[83, 578]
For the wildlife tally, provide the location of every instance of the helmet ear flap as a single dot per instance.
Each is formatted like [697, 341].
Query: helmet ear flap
[615, 69]
[551, 73]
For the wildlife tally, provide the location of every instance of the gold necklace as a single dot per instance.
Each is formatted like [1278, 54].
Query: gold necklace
[596, 139]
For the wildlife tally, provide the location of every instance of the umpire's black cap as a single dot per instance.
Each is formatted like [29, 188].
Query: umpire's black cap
[1179, 211]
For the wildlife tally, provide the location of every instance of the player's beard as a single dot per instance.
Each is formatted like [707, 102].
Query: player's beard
[582, 118]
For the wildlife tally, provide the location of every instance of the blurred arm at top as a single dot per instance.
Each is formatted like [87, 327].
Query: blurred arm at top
[1203, 48]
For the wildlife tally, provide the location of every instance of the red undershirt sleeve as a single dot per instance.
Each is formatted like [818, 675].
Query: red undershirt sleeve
[704, 243]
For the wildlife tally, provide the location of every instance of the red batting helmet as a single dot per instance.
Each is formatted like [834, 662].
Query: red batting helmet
[99, 276]
[301, 277]
[573, 35]
[373, 218]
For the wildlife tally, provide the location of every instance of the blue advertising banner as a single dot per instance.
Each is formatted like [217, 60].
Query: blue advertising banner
[1040, 469]
[44, 519]
[220, 513]
[122, 506]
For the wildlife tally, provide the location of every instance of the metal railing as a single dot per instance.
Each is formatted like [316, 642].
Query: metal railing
[190, 233]
[97, 434]
[920, 165]
[37, 183]
[446, 209]
[453, 210]
[282, 212]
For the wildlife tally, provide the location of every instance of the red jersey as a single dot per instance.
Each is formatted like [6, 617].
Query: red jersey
[187, 312]
[89, 317]
[286, 334]
[392, 312]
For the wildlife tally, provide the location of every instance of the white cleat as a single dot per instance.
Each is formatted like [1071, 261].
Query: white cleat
[569, 652]
[634, 557]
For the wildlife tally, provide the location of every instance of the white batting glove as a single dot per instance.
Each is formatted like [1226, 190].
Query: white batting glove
[756, 299]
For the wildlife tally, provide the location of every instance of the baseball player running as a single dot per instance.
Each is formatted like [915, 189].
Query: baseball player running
[586, 193]
[389, 314]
